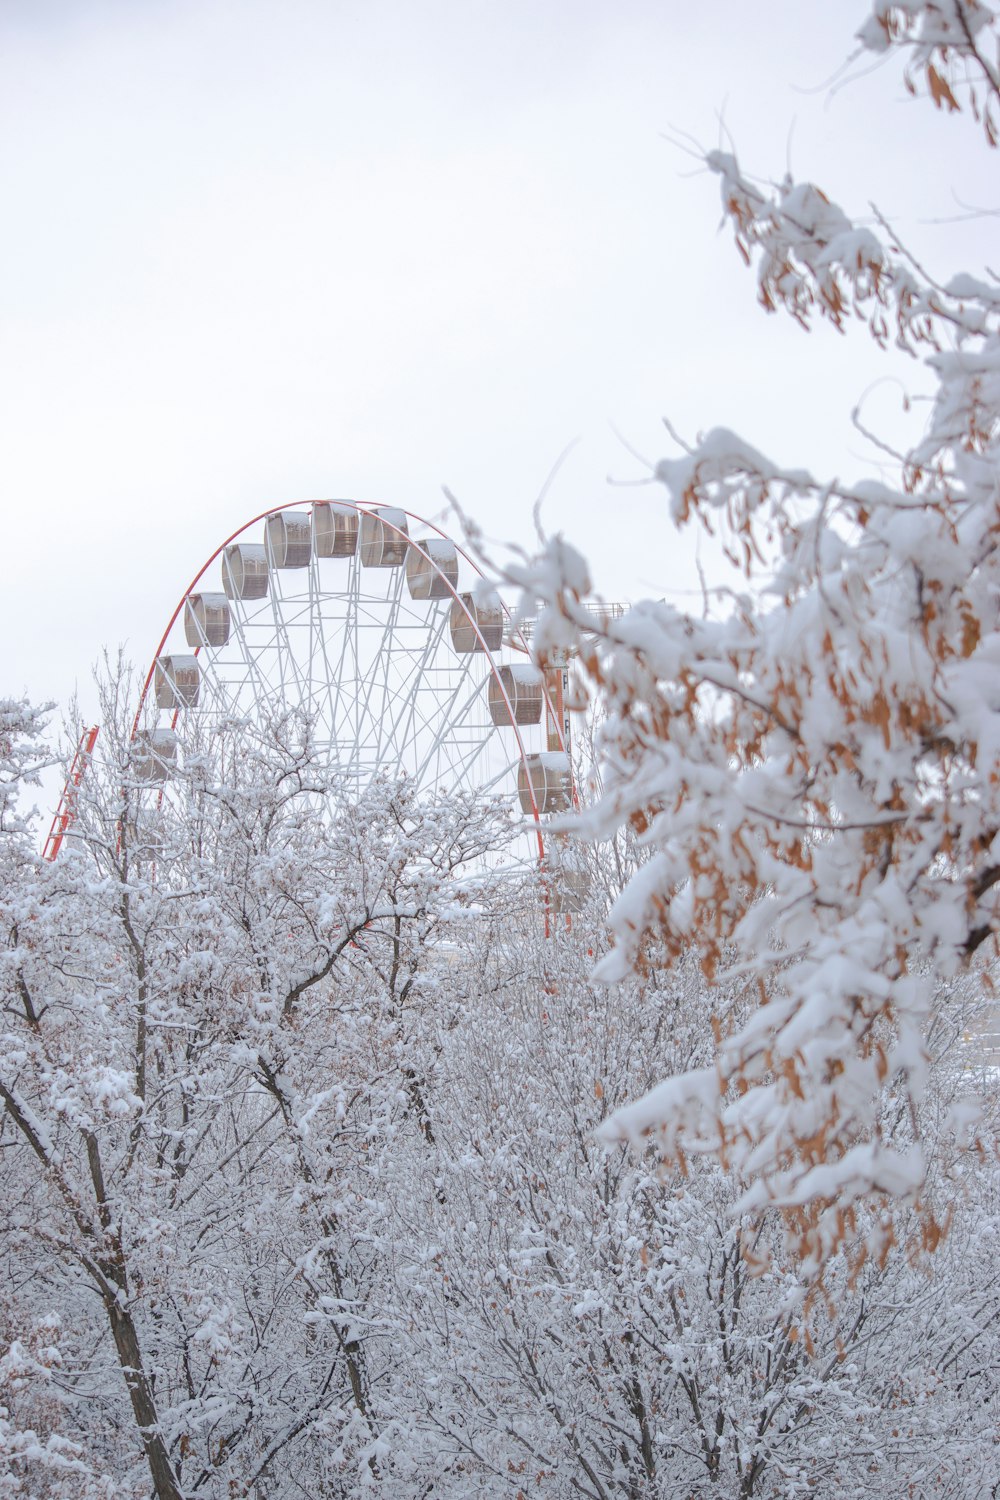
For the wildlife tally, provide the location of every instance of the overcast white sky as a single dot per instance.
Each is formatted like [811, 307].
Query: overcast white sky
[263, 250]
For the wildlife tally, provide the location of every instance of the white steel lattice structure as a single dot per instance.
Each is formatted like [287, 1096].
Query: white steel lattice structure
[364, 618]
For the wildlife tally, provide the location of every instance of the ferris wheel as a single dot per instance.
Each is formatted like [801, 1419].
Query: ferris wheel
[378, 629]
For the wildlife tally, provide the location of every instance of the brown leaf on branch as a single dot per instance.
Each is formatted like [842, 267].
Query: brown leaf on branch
[940, 91]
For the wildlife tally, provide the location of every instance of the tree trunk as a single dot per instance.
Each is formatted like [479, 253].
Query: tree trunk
[165, 1485]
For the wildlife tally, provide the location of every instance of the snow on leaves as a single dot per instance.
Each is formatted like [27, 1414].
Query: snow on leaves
[815, 760]
[950, 46]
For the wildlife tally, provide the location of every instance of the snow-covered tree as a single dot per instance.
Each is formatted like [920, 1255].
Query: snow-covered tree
[214, 1029]
[303, 1193]
[813, 761]
[574, 1322]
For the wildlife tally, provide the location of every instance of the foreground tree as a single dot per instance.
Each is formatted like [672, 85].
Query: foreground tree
[303, 1196]
[815, 761]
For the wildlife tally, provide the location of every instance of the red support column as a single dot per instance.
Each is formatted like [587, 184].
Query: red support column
[66, 811]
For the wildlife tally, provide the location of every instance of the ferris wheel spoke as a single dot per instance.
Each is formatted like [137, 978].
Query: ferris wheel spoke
[402, 723]
[384, 661]
[232, 679]
[455, 709]
[347, 661]
[292, 683]
[461, 719]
